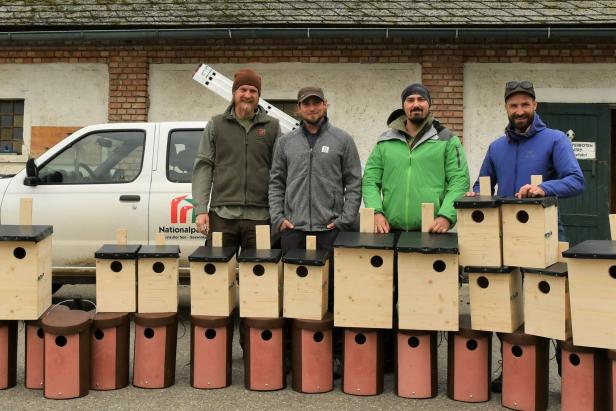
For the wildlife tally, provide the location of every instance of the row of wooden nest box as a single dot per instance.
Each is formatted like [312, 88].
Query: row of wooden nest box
[560, 300]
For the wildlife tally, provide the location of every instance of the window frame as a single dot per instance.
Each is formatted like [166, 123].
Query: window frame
[67, 147]
[168, 152]
[12, 140]
[12, 160]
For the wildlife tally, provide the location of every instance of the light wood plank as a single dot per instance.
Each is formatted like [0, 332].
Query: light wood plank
[25, 211]
[485, 189]
[533, 243]
[213, 289]
[592, 288]
[261, 295]
[263, 237]
[428, 299]
[480, 242]
[217, 239]
[116, 291]
[427, 216]
[499, 306]
[26, 282]
[305, 296]
[546, 305]
[562, 246]
[311, 242]
[122, 236]
[157, 292]
[363, 294]
[366, 220]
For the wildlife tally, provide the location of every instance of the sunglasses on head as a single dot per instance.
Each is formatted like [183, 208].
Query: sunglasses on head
[525, 84]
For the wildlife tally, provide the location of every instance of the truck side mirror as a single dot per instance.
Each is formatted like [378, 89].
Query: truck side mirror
[32, 178]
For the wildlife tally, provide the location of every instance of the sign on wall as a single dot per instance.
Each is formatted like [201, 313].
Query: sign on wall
[584, 150]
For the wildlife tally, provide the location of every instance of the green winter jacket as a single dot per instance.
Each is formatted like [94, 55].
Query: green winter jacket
[397, 179]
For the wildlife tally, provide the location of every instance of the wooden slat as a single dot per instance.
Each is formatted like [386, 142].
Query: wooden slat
[562, 246]
[363, 293]
[122, 236]
[157, 292]
[311, 242]
[366, 220]
[485, 188]
[546, 314]
[613, 226]
[427, 216]
[536, 179]
[261, 295]
[25, 211]
[217, 239]
[116, 291]
[263, 237]
[213, 294]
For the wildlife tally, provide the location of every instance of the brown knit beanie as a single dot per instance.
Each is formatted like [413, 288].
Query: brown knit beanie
[246, 77]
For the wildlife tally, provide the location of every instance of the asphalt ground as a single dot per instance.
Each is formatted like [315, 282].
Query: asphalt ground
[236, 397]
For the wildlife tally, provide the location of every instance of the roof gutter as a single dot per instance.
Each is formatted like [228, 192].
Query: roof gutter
[546, 32]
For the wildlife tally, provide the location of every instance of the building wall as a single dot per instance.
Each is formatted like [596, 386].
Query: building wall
[57, 96]
[484, 110]
[444, 64]
[360, 96]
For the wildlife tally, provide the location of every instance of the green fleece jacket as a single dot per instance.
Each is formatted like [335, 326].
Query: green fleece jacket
[397, 178]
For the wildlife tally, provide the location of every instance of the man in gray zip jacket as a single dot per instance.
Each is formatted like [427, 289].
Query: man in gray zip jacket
[315, 179]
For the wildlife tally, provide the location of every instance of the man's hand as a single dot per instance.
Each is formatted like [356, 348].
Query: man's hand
[439, 225]
[285, 225]
[529, 190]
[470, 194]
[331, 226]
[381, 225]
[203, 223]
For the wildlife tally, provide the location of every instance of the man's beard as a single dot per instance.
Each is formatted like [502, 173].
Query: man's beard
[313, 122]
[245, 109]
[522, 128]
[417, 120]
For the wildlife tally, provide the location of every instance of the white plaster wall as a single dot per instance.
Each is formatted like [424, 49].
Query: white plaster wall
[361, 96]
[484, 86]
[55, 95]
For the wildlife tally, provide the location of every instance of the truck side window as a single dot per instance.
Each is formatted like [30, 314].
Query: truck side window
[181, 154]
[99, 158]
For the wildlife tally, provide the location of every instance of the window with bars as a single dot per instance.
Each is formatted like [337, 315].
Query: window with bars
[11, 126]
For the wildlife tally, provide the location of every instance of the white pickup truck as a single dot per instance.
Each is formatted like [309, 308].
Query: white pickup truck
[104, 177]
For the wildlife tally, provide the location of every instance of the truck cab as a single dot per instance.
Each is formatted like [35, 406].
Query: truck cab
[104, 177]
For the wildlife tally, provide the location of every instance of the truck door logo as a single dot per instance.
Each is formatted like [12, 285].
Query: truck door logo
[180, 206]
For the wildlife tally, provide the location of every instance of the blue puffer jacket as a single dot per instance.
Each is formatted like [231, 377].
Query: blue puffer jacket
[514, 157]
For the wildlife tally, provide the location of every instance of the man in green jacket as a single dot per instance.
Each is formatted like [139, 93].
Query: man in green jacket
[233, 163]
[416, 161]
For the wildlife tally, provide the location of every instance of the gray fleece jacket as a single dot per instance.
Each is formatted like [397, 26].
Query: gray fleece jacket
[314, 187]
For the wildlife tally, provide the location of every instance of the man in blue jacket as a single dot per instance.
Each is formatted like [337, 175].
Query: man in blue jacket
[528, 148]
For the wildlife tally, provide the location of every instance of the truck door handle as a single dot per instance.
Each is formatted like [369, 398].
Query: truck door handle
[130, 198]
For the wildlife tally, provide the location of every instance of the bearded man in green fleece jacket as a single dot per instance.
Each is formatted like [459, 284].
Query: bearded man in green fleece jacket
[416, 161]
